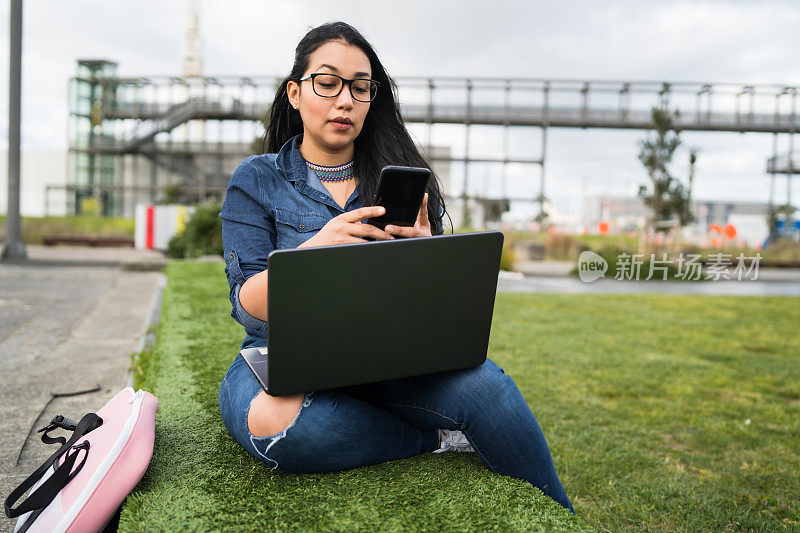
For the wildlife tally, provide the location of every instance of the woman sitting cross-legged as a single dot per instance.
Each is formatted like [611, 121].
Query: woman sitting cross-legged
[334, 123]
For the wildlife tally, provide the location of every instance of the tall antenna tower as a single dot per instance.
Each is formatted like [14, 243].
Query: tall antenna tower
[193, 58]
[195, 87]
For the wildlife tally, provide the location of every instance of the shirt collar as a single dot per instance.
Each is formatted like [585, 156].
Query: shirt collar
[315, 182]
[294, 168]
[291, 161]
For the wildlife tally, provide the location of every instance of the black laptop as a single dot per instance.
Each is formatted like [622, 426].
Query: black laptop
[351, 314]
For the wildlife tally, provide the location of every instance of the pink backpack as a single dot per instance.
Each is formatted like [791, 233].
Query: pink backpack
[114, 447]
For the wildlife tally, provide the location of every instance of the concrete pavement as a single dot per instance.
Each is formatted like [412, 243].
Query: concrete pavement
[573, 285]
[555, 277]
[69, 319]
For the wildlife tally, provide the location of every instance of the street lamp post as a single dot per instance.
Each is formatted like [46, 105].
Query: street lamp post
[13, 248]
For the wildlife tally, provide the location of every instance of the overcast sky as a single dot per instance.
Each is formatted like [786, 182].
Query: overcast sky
[734, 41]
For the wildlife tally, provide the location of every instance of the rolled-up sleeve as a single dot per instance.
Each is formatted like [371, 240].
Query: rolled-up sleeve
[248, 236]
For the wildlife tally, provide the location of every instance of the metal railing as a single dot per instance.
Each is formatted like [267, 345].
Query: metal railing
[160, 104]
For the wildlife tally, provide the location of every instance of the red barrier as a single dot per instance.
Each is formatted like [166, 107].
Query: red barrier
[150, 228]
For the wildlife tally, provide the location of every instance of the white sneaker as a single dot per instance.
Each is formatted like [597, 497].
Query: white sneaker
[453, 441]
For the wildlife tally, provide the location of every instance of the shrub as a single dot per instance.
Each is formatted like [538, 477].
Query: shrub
[35, 228]
[90, 206]
[507, 258]
[782, 250]
[559, 246]
[202, 234]
[612, 252]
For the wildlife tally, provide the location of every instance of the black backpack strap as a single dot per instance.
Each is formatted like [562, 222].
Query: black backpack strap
[58, 421]
[29, 522]
[43, 495]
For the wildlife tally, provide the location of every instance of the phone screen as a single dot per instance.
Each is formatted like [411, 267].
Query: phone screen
[400, 191]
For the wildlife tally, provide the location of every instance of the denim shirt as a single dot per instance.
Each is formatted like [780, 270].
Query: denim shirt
[273, 201]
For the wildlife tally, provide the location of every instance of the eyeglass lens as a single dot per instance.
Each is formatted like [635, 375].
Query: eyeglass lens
[328, 85]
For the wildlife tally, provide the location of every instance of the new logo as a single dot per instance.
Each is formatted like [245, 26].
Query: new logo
[591, 266]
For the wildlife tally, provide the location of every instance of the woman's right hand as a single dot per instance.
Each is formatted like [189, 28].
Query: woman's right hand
[347, 228]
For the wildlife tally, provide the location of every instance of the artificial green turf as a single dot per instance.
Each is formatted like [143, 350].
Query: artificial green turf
[201, 479]
[644, 400]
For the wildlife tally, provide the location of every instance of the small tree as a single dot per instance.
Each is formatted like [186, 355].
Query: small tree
[172, 193]
[668, 196]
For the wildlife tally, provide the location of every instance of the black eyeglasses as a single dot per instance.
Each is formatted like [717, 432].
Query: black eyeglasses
[330, 85]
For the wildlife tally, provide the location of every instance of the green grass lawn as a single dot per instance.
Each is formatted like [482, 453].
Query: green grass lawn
[661, 412]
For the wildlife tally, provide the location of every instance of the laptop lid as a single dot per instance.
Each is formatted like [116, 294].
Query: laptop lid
[359, 313]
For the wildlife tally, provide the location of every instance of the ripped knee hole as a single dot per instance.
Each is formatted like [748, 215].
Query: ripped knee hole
[270, 415]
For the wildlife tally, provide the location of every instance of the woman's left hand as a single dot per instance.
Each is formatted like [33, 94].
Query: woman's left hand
[422, 227]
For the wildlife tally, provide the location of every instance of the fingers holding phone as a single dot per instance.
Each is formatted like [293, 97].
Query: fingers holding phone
[421, 228]
[347, 228]
[402, 191]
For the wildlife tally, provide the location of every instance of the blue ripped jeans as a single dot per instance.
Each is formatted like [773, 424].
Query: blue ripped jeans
[349, 427]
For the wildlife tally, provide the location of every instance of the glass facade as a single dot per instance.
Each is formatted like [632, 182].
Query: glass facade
[91, 93]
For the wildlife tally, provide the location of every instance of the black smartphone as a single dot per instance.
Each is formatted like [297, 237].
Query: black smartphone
[400, 191]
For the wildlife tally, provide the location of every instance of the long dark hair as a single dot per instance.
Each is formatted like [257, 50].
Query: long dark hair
[383, 139]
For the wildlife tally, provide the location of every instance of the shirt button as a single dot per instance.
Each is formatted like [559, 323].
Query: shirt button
[302, 226]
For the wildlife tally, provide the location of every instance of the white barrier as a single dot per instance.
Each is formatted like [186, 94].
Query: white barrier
[156, 224]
